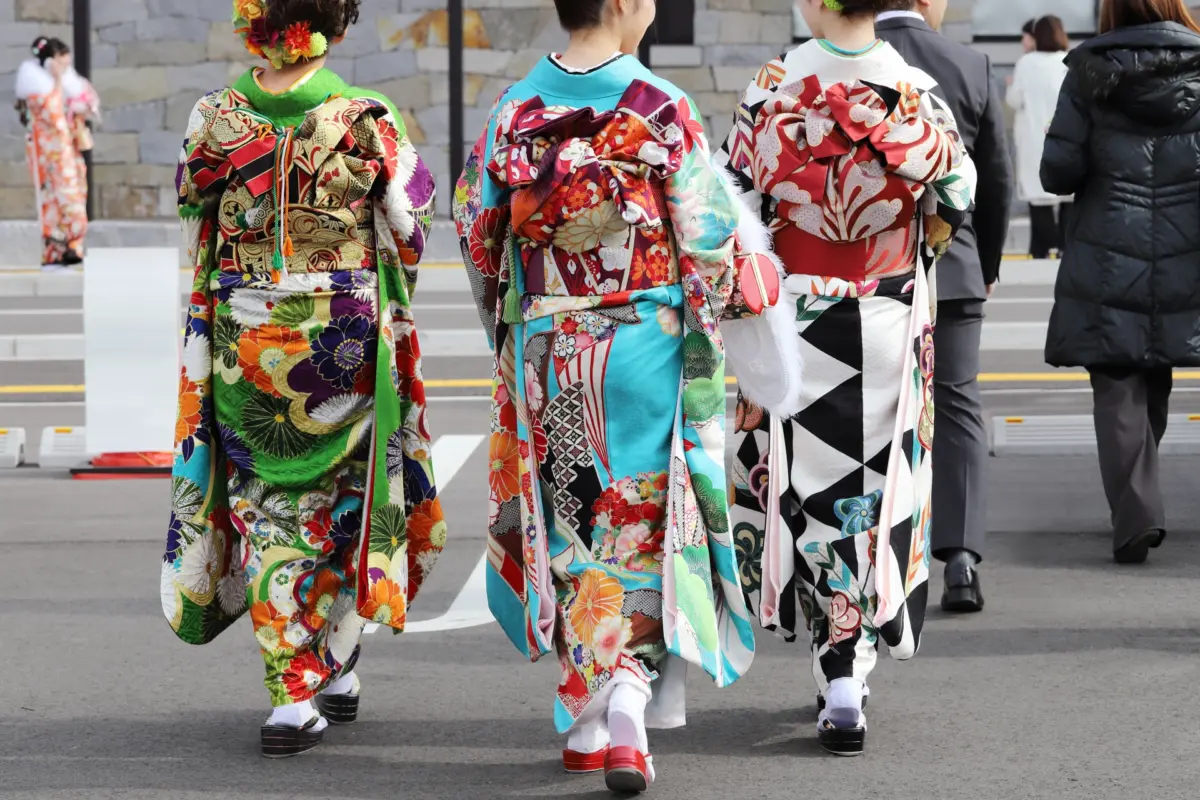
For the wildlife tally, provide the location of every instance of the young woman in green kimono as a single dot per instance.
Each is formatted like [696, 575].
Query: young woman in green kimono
[303, 488]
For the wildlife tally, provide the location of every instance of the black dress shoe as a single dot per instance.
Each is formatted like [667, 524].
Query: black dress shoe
[962, 593]
[1137, 549]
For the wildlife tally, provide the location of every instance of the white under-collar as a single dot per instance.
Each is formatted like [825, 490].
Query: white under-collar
[886, 15]
[578, 71]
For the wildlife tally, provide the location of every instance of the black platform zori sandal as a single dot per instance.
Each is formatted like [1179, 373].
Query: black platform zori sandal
[843, 732]
[281, 741]
[339, 709]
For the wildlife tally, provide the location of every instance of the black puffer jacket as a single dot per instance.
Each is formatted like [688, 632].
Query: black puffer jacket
[1126, 141]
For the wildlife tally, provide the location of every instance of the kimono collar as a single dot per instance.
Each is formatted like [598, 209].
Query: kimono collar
[883, 65]
[289, 108]
[610, 80]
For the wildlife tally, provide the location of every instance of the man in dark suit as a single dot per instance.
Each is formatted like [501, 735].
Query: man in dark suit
[965, 277]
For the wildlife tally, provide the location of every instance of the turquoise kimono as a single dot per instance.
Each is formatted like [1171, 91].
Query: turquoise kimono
[600, 243]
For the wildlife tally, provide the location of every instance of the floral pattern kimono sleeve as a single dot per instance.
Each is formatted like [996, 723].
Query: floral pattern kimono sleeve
[704, 213]
[481, 217]
[405, 212]
[197, 515]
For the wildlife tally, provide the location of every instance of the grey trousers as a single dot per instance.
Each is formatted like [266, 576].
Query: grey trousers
[1130, 413]
[960, 444]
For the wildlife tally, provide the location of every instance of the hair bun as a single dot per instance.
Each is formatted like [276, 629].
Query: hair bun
[38, 44]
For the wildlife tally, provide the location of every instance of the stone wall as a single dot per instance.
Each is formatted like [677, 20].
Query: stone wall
[151, 59]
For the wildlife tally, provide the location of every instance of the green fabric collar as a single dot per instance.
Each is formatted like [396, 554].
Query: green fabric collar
[289, 108]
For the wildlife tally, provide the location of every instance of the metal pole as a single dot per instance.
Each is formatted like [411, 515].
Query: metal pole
[457, 141]
[83, 65]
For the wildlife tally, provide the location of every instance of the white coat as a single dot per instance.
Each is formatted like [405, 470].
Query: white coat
[1033, 95]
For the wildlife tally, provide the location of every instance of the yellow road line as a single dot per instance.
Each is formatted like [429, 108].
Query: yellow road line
[485, 383]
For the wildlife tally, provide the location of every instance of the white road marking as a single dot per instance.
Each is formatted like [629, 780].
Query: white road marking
[450, 454]
[469, 609]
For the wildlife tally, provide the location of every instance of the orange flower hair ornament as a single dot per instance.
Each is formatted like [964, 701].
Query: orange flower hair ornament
[292, 45]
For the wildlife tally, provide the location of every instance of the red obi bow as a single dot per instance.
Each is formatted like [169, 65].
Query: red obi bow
[849, 162]
[559, 162]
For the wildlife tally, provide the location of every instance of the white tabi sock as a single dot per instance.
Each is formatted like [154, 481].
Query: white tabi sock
[588, 737]
[297, 715]
[343, 685]
[844, 693]
[627, 716]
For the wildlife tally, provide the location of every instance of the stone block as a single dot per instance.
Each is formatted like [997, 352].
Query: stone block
[344, 67]
[207, 10]
[128, 202]
[135, 174]
[146, 54]
[224, 44]
[12, 147]
[136, 118]
[411, 92]
[724, 55]
[675, 55]
[202, 78]
[122, 86]
[513, 29]
[111, 12]
[17, 203]
[120, 33]
[521, 62]
[116, 148]
[22, 33]
[734, 79]
[472, 89]
[490, 92]
[179, 29]
[380, 67]
[412, 127]
[430, 29]
[15, 173]
[11, 57]
[179, 109]
[43, 10]
[689, 79]
[104, 56]
[159, 147]
[716, 104]
[168, 202]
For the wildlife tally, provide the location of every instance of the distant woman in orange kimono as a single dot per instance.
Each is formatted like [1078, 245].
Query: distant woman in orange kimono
[55, 104]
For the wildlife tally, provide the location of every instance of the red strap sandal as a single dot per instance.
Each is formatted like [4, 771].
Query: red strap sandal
[626, 769]
[578, 763]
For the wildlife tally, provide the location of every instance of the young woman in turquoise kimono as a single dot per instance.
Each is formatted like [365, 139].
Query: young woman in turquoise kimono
[603, 248]
[303, 487]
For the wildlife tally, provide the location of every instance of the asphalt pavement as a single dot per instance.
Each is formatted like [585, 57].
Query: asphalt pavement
[1077, 681]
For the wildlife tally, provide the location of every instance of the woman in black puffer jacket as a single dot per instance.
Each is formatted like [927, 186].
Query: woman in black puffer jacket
[1125, 141]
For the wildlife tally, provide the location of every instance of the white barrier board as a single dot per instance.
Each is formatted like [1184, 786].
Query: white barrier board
[131, 323]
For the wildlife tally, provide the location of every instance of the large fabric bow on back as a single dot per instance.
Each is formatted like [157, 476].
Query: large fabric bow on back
[549, 155]
[848, 162]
